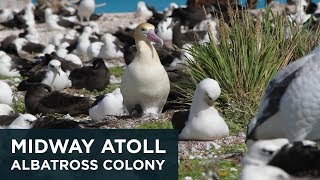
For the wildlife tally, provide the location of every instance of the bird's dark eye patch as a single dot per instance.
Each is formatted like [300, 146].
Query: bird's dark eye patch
[265, 151]
[28, 121]
[143, 29]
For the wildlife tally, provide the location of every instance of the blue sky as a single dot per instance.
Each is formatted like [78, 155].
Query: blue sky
[130, 5]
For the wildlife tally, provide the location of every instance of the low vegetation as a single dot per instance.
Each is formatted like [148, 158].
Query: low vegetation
[249, 53]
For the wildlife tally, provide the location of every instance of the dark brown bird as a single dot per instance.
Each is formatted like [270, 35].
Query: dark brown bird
[41, 99]
[95, 77]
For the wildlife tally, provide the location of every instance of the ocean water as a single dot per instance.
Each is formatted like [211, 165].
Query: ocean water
[131, 5]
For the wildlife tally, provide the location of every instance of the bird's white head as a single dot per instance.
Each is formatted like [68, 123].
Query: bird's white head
[145, 32]
[55, 66]
[208, 90]
[24, 121]
[107, 37]
[19, 42]
[87, 30]
[262, 151]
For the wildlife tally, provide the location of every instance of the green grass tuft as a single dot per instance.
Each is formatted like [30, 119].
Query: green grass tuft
[116, 71]
[18, 106]
[249, 54]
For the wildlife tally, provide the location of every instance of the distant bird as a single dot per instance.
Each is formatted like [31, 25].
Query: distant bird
[111, 48]
[142, 10]
[17, 21]
[5, 109]
[52, 75]
[86, 9]
[23, 121]
[83, 42]
[6, 66]
[52, 20]
[94, 49]
[5, 15]
[49, 49]
[6, 95]
[189, 16]
[56, 77]
[95, 77]
[28, 14]
[289, 108]
[31, 34]
[164, 29]
[145, 81]
[25, 48]
[41, 99]
[300, 16]
[179, 38]
[8, 46]
[168, 11]
[74, 60]
[203, 122]
[105, 105]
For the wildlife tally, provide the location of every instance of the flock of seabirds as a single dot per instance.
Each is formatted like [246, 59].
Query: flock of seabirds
[278, 138]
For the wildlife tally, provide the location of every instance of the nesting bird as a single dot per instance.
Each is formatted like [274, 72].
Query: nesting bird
[94, 77]
[109, 104]
[111, 48]
[203, 120]
[56, 77]
[25, 48]
[23, 121]
[52, 20]
[145, 81]
[6, 95]
[164, 29]
[6, 66]
[41, 99]
[289, 107]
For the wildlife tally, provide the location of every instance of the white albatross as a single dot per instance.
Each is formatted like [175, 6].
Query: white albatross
[290, 106]
[145, 81]
[110, 104]
[6, 66]
[24, 121]
[56, 77]
[6, 95]
[86, 9]
[204, 121]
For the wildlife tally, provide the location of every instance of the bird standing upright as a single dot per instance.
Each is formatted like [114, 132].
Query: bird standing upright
[145, 81]
[86, 9]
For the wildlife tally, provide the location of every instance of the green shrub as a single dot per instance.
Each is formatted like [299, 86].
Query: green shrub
[249, 53]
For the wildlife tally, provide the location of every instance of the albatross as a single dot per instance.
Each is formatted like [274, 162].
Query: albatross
[145, 81]
[5, 93]
[203, 122]
[290, 106]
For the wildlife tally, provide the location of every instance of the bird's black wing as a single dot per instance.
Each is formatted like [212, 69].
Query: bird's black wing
[179, 120]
